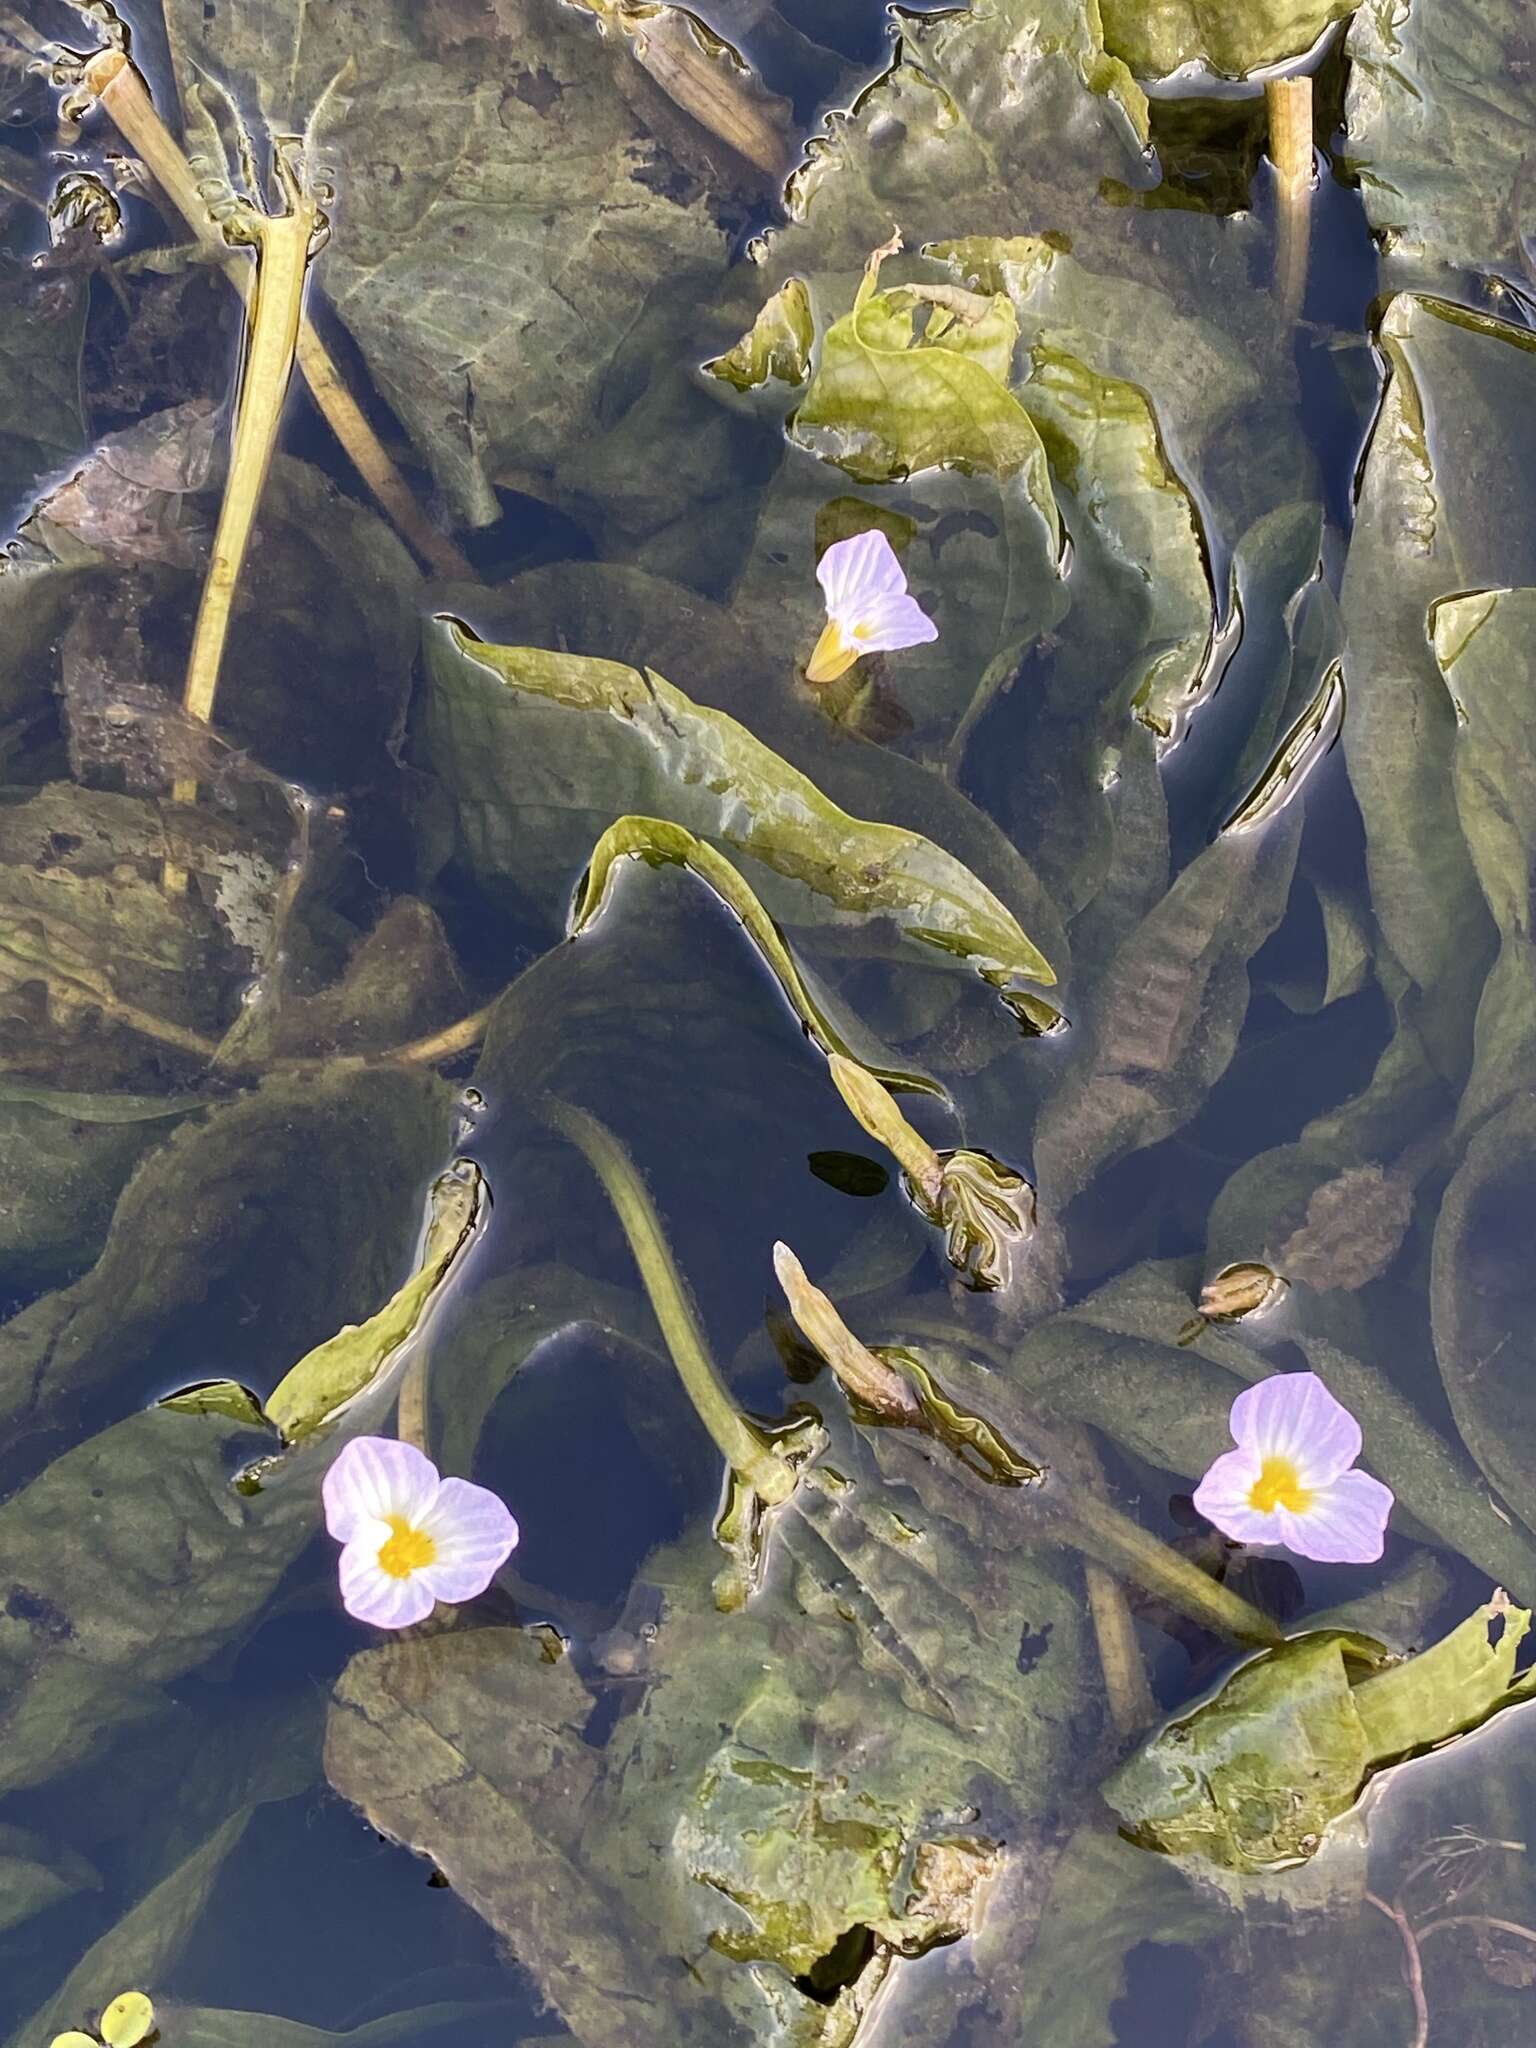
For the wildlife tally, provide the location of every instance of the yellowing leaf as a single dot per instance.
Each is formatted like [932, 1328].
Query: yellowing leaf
[335, 1372]
[776, 345]
[887, 401]
[128, 2020]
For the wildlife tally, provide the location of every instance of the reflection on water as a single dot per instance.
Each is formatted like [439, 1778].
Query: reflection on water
[800, 1715]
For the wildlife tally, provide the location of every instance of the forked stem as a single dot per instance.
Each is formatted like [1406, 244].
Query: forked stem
[114, 82]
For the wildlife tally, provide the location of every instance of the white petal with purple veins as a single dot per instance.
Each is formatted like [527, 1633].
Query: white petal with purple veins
[1345, 1521]
[1223, 1498]
[1292, 1415]
[474, 1535]
[375, 1475]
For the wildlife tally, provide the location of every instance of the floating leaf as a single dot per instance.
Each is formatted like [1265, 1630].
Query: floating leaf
[1156, 37]
[776, 347]
[887, 402]
[326, 1382]
[1102, 437]
[1252, 1779]
[127, 2020]
[721, 780]
[656, 841]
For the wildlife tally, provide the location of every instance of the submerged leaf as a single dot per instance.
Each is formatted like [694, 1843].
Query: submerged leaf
[1444, 506]
[1439, 113]
[1252, 1779]
[507, 216]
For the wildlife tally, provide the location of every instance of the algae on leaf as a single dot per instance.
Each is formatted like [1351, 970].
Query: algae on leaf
[776, 347]
[887, 401]
[1252, 1779]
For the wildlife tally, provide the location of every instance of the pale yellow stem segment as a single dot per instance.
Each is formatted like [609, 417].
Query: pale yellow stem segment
[282, 245]
[1290, 151]
[875, 1109]
[123, 96]
[1126, 1691]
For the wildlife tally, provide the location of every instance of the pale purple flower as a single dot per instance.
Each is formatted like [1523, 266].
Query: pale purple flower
[409, 1537]
[1291, 1479]
[868, 608]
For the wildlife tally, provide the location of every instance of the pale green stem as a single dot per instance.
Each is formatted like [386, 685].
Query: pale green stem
[874, 1109]
[742, 1447]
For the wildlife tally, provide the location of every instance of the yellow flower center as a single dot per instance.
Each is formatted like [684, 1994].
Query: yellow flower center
[1279, 1486]
[407, 1550]
[862, 631]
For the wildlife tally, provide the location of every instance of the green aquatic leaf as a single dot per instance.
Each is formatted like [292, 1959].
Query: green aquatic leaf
[1102, 438]
[42, 319]
[776, 347]
[1252, 1779]
[1481, 1298]
[521, 789]
[1155, 37]
[1444, 508]
[780, 1831]
[134, 1556]
[1482, 643]
[1113, 1361]
[509, 212]
[657, 842]
[315, 1178]
[1106, 1898]
[433, 2026]
[1440, 105]
[65, 1157]
[36, 1874]
[887, 401]
[324, 1384]
[1167, 1011]
[718, 779]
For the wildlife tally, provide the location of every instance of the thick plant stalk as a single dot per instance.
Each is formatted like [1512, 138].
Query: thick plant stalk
[1290, 151]
[1127, 1693]
[283, 244]
[114, 82]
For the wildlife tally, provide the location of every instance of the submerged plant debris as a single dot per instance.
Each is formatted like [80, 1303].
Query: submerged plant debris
[1109, 966]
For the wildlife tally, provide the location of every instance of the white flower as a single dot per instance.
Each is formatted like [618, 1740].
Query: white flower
[868, 608]
[1291, 1479]
[410, 1538]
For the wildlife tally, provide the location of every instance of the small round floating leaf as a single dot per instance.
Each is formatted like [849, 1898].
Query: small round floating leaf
[128, 2020]
[74, 2039]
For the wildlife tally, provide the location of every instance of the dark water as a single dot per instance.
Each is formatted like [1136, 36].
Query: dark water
[223, 1790]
